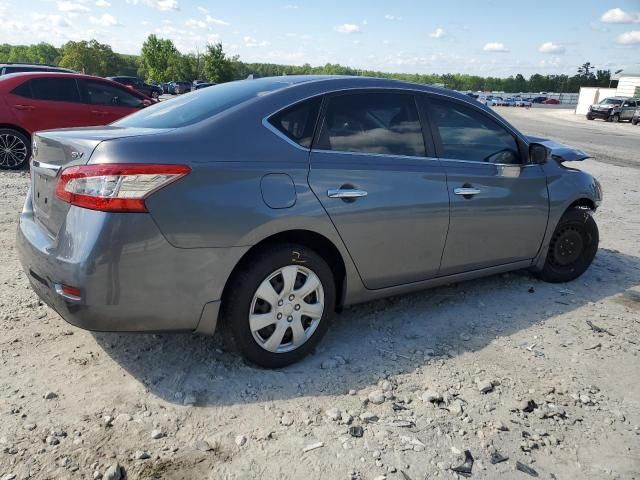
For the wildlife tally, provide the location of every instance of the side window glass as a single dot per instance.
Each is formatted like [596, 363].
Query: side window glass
[23, 90]
[55, 89]
[466, 134]
[99, 93]
[298, 121]
[381, 123]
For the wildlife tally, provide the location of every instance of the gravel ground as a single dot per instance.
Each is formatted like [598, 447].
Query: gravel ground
[399, 388]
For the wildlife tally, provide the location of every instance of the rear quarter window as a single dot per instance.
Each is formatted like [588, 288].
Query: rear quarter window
[298, 122]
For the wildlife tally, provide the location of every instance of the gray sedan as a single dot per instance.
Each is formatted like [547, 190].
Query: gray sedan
[268, 204]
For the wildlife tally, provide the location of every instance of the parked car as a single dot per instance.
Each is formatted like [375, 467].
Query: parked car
[7, 68]
[179, 87]
[614, 109]
[497, 101]
[41, 101]
[636, 117]
[272, 227]
[538, 99]
[509, 102]
[165, 87]
[203, 85]
[523, 102]
[551, 101]
[152, 91]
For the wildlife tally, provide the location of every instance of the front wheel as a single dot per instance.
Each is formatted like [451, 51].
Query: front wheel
[572, 248]
[15, 149]
[634, 121]
[589, 116]
[615, 117]
[279, 305]
[155, 95]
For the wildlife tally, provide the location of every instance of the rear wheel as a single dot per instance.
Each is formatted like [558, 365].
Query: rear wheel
[279, 305]
[155, 95]
[15, 149]
[572, 248]
[615, 117]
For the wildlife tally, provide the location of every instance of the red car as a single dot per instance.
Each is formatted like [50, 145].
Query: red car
[39, 101]
[551, 101]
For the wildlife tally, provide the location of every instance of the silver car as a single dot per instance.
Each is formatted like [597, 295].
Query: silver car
[269, 204]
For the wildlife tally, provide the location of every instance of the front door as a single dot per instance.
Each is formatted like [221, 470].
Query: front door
[499, 203]
[386, 196]
[108, 102]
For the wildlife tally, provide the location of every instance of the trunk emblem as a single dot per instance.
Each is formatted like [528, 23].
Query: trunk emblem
[77, 155]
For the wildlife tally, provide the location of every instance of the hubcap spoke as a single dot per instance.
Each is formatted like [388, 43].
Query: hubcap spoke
[311, 283]
[267, 293]
[313, 310]
[299, 335]
[289, 275]
[258, 321]
[275, 340]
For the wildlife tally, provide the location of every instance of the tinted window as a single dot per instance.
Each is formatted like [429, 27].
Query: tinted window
[9, 70]
[298, 121]
[23, 90]
[201, 104]
[100, 93]
[467, 134]
[383, 123]
[55, 89]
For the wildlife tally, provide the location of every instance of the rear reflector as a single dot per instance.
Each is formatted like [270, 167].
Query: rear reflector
[115, 187]
[68, 292]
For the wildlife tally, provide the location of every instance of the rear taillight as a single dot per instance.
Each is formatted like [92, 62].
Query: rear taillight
[116, 187]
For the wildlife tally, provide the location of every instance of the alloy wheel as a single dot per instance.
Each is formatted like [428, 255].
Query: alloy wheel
[13, 151]
[286, 309]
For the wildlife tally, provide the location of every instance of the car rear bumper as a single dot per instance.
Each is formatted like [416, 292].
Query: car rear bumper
[129, 276]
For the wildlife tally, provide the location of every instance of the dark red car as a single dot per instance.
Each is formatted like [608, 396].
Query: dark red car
[40, 101]
[551, 101]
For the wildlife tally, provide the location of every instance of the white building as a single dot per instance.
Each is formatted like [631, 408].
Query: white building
[628, 85]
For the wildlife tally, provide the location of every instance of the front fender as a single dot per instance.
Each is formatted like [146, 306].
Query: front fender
[566, 186]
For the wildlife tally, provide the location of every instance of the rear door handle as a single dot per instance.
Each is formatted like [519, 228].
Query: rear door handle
[98, 112]
[466, 191]
[346, 193]
[24, 107]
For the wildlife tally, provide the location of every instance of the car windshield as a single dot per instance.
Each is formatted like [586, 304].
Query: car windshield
[611, 101]
[201, 104]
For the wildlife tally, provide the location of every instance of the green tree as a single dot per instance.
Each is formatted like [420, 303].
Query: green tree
[218, 68]
[91, 57]
[159, 59]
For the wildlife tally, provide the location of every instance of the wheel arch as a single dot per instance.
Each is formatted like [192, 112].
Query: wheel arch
[308, 238]
[11, 126]
[583, 202]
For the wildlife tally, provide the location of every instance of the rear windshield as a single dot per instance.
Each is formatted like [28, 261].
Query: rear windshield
[204, 103]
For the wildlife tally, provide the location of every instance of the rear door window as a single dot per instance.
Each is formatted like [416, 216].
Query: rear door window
[464, 133]
[102, 93]
[23, 90]
[298, 121]
[55, 89]
[378, 123]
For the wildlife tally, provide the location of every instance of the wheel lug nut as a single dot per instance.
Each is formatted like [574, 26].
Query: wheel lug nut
[291, 297]
[297, 307]
[280, 303]
[279, 316]
[289, 318]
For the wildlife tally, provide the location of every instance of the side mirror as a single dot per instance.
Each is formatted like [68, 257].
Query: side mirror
[537, 153]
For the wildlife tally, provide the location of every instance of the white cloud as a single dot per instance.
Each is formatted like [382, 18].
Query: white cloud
[203, 10]
[252, 42]
[438, 33]
[629, 38]
[348, 28]
[617, 15]
[71, 7]
[550, 47]
[105, 20]
[495, 47]
[217, 21]
[392, 17]
[55, 20]
[162, 5]
[193, 23]
[102, 3]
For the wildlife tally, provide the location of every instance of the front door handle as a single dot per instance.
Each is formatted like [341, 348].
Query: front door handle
[346, 193]
[24, 107]
[466, 191]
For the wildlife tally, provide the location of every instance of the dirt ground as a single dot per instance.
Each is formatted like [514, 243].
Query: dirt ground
[505, 364]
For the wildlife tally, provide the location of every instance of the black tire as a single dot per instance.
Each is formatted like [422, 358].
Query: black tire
[589, 116]
[239, 296]
[155, 95]
[19, 149]
[572, 248]
[634, 121]
[615, 118]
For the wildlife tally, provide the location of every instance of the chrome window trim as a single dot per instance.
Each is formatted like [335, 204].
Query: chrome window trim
[266, 123]
[476, 162]
[387, 155]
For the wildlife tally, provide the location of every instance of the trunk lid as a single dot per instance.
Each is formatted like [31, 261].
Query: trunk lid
[54, 150]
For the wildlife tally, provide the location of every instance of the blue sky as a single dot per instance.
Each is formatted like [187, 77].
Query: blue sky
[408, 36]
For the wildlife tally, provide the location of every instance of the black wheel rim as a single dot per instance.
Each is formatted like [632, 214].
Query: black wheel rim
[567, 246]
[13, 150]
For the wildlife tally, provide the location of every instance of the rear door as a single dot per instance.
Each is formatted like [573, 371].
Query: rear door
[48, 102]
[381, 186]
[108, 102]
[628, 107]
[499, 203]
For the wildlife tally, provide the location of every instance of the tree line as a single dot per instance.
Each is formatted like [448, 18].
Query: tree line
[161, 61]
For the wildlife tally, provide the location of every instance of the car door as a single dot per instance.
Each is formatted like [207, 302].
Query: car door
[109, 102]
[499, 203]
[48, 102]
[381, 186]
[628, 107]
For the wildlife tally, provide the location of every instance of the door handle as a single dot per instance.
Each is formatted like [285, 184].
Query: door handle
[346, 193]
[23, 107]
[98, 112]
[466, 191]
